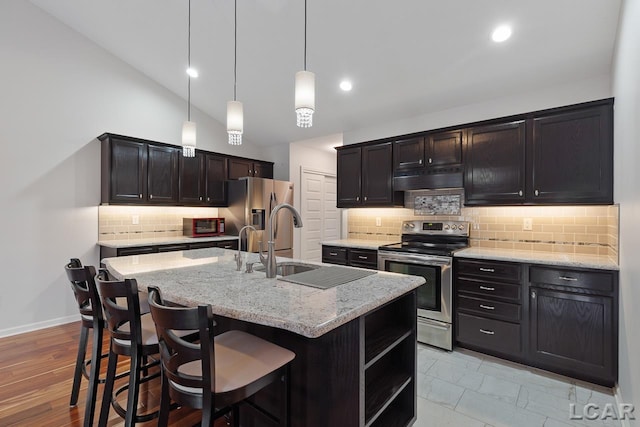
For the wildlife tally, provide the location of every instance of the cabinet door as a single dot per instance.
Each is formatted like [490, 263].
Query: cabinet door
[215, 177]
[444, 150]
[162, 174]
[349, 172]
[408, 155]
[263, 170]
[128, 171]
[495, 164]
[239, 168]
[377, 174]
[191, 183]
[572, 332]
[572, 157]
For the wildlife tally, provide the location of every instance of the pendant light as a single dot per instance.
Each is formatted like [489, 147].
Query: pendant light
[305, 91]
[189, 127]
[234, 108]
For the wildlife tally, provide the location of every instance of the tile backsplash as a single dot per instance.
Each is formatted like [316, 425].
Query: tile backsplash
[117, 222]
[562, 229]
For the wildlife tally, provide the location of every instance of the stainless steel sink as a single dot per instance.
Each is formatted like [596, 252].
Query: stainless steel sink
[289, 268]
[317, 276]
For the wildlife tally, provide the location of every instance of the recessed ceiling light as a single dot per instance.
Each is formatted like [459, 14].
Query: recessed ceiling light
[192, 72]
[501, 33]
[346, 85]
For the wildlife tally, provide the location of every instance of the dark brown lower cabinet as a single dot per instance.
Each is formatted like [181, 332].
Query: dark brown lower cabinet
[354, 257]
[574, 333]
[106, 252]
[567, 324]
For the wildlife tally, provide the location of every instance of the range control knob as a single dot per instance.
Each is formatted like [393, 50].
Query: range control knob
[461, 227]
[446, 226]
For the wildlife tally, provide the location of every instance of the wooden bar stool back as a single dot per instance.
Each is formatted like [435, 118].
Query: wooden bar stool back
[218, 373]
[91, 318]
[133, 335]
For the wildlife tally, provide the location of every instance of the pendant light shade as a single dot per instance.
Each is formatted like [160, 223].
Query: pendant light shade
[189, 139]
[189, 127]
[305, 96]
[305, 88]
[234, 122]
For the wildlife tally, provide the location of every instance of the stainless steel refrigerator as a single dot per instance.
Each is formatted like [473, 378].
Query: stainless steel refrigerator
[251, 201]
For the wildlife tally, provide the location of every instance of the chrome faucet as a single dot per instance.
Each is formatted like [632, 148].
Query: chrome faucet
[239, 254]
[270, 260]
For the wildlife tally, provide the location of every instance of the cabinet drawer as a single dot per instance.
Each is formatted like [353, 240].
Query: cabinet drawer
[498, 270]
[203, 245]
[334, 255]
[487, 288]
[489, 308]
[493, 335]
[363, 257]
[172, 248]
[228, 244]
[597, 281]
[139, 250]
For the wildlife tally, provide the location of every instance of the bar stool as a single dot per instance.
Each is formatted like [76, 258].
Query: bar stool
[132, 335]
[218, 373]
[85, 291]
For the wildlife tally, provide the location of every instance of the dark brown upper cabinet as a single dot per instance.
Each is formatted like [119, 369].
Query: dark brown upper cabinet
[444, 151]
[495, 164]
[137, 172]
[239, 168]
[365, 176]
[408, 155]
[572, 157]
[192, 186]
[215, 177]
[162, 174]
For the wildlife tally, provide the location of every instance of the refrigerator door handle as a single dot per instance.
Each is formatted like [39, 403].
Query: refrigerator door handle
[275, 229]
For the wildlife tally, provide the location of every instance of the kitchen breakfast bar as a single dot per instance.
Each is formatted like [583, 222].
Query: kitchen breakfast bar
[355, 343]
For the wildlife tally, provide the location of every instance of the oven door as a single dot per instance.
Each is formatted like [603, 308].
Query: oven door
[434, 297]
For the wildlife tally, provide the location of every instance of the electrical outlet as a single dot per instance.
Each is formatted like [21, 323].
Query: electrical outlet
[378, 221]
[527, 224]
[135, 219]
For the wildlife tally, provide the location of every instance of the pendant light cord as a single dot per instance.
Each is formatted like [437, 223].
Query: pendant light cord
[189, 66]
[235, 49]
[305, 35]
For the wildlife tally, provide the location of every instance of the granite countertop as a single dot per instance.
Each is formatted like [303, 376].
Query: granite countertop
[355, 243]
[126, 243]
[209, 276]
[537, 257]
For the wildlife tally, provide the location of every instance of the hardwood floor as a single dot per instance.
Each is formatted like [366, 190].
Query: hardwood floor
[36, 374]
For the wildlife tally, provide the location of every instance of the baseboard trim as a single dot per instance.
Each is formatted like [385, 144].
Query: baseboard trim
[38, 325]
[618, 396]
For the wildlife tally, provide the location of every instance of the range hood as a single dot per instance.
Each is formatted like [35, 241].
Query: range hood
[428, 181]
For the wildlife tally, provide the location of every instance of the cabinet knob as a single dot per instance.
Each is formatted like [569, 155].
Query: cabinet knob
[200, 198]
[140, 196]
[536, 192]
[249, 171]
[208, 199]
[533, 294]
[430, 160]
[365, 198]
[357, 198]
[150, 196]
[420, 161]
[520, 193]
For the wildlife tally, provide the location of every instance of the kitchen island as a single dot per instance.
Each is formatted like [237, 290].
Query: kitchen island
[355, 343]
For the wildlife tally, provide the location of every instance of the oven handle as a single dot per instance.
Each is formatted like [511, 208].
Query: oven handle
[434, 323]
[415, 259]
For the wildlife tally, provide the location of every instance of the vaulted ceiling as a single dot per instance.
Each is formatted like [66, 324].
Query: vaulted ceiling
[405, 57]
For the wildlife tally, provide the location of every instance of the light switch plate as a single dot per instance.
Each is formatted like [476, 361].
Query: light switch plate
[378, 221]
[135, 219]
[527, 224]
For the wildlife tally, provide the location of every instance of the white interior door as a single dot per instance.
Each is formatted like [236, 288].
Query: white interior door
[319, 213]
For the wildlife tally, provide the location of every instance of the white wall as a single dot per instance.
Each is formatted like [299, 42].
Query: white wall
[626, 88]
[59, 92]
[515, 103]
[303, 154]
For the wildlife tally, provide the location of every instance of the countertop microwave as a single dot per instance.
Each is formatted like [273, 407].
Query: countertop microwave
[202, 227]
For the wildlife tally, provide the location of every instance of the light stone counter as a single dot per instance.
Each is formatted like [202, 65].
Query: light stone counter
[537, 257]
[355, 243]
[209, 276]
[127, 243]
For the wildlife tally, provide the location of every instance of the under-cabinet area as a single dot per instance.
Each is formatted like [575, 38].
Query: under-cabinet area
[562, 319]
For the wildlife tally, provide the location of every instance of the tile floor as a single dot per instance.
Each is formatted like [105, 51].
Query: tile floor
[468, 389]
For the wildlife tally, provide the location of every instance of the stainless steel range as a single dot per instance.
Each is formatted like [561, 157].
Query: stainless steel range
[427, 250]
